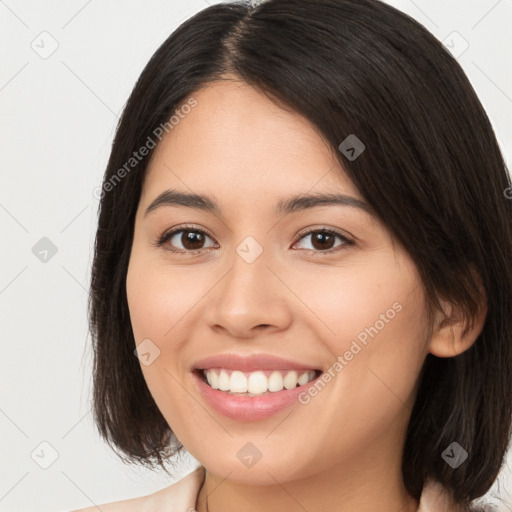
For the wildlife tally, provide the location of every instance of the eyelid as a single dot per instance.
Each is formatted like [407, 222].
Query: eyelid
[347, 240]
[324, 227]
[167, 235]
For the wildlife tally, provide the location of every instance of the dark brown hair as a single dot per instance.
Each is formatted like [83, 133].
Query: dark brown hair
[432, 171]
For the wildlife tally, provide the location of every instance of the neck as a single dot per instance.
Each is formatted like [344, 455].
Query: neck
[364, 486]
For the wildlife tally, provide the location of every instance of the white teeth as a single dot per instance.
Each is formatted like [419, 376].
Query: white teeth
[303, 379]
[224, 381]
[238, 382]
[213, 380]
[258, 382]
[290, 381]
[275, 382]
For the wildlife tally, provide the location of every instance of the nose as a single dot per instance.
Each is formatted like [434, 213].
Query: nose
[249, 299]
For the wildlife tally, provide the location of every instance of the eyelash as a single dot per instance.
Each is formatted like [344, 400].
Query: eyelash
[165, 237]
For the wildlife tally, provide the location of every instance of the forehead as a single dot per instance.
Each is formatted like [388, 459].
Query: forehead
[235, 139]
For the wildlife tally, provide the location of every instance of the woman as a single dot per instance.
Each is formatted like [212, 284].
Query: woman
[302, 267]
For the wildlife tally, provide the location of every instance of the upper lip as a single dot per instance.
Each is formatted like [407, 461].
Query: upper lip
[249, 363]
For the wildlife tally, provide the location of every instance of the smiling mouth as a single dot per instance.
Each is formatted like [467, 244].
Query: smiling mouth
[256, 383]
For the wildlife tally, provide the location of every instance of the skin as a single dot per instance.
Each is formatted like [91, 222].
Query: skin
[342, 451]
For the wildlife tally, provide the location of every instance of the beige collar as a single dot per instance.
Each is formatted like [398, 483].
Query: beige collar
[435, 498]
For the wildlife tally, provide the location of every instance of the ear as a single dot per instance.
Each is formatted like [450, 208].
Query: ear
[448, 336]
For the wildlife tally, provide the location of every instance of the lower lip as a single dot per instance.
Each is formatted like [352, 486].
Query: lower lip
[250, 408]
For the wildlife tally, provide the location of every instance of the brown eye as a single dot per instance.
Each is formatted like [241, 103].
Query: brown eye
[192, 240]
[185, 240]
[323, 240]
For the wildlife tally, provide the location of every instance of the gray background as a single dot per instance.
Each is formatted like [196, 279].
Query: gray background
[58, 113]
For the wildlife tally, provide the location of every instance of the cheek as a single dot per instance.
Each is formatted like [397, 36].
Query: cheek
[158, 299]
[161, 303]
[378, 300]
[377, 335]
[158, 303]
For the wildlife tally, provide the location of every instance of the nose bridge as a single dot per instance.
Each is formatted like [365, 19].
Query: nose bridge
[248, 294]
[248, 279]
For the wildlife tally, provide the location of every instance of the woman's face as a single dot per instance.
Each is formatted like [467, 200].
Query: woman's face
[272, 281]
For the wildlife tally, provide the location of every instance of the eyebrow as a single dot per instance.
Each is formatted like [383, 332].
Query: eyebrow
[283, 207]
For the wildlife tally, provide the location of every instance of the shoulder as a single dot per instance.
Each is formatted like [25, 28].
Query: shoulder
[483, 507]
[435, 498]
[131, 505]
[180, 496]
